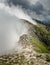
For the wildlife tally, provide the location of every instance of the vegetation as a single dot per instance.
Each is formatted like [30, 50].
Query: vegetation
[43, 33]
[41, 38]
[41, 46]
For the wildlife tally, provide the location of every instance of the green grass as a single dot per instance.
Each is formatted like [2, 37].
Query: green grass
[42, 29]
[40, 45]
[43, 33]
[42, 41]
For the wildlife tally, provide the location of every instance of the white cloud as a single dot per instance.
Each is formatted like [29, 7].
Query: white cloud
[33, 5]
[11, 29]
[17, 11]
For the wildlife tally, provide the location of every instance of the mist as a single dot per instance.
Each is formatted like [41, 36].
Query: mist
[17, 11]
[11, 26]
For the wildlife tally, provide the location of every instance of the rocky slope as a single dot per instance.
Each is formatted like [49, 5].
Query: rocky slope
[34, 48]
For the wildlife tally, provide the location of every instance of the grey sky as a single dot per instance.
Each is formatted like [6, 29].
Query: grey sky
[39, 9]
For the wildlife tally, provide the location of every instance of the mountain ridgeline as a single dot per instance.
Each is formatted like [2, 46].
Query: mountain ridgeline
[40, 36]
[33, 47]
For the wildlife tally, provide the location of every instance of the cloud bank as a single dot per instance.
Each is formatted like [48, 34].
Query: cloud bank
[11, 28]
[38, 9]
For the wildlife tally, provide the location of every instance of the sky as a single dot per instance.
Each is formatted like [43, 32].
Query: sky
[13, 10]
[37, 9]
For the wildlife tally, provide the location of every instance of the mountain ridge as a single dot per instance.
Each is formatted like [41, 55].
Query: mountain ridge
[34, 51]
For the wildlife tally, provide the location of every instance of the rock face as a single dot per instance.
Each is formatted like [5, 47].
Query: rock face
[35, 48]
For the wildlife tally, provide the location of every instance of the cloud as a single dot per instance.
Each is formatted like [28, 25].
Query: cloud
[39, 9]
[46, 3]
[32, 8]
[7, 32]
[32, 1]
[46, 6]
[26, 4]
[18, 11]
[11, 28]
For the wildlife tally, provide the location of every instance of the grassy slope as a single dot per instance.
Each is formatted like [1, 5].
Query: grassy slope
[43, 43]
[40, 45]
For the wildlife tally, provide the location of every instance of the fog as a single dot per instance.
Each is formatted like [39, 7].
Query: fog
[12, 27]
[17, 11]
